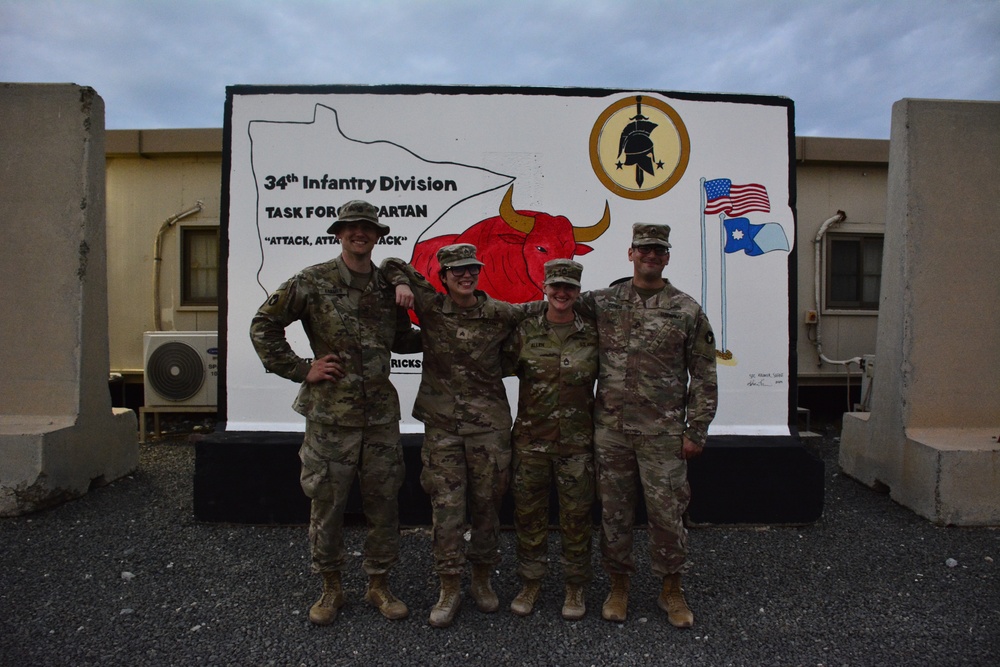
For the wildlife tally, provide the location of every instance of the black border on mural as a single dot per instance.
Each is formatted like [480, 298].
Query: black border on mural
[413, 89]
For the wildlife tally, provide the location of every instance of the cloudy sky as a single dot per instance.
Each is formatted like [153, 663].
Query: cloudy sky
[166, 63]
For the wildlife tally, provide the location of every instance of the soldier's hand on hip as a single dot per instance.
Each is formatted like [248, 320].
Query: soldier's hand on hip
[326, 368]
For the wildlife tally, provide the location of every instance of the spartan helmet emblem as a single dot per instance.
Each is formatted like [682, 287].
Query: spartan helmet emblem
[636, 143]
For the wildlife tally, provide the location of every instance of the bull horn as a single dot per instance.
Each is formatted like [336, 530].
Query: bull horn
[520, 222]
[582, 234]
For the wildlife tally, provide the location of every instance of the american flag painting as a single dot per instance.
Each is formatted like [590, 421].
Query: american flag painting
[735, 200]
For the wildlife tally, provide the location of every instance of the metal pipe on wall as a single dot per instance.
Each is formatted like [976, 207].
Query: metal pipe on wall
[836, 219]
[157, 246]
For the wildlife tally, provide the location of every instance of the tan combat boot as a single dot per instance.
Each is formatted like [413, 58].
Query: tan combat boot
[672, 601]
[324, 612]
[482, 592]
[379, 596]
[574, 608]
[524, 603]
[443, 613]
[616, 605]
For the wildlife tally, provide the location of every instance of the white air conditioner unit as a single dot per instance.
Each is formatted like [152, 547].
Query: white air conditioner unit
[181, 368]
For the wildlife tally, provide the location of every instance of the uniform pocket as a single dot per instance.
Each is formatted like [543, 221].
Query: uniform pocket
[315, 475]
[482, 337]
[677, 475]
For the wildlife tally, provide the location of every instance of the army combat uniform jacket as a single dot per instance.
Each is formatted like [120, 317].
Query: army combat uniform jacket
[361, 329]
[556, 397]
[657, 362]
[461, 387]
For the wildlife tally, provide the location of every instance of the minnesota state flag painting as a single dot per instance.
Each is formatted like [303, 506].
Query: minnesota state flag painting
[752, 239]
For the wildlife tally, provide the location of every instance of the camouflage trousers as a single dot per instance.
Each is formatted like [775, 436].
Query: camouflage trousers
[574, 479]
[624, 462]
[465, 471]
[331, 457]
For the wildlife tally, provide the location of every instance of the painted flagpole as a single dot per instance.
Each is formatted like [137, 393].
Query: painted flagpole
[704, 250]
[722, 254]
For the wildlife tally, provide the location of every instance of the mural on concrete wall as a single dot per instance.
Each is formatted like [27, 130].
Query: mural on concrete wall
[526, 175]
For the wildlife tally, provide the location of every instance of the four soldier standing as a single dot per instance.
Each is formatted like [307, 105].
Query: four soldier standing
[656, 396]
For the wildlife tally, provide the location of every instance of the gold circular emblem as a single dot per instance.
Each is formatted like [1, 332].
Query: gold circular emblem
[639, 147]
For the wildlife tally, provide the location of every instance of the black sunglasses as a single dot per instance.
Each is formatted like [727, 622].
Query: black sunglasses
[459, 271]
[657, 250]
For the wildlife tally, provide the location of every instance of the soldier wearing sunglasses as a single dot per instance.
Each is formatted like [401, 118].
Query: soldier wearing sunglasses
[463, 405]
[656, 395]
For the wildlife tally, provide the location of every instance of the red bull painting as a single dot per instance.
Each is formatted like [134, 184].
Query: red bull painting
[514, 246]
[526, 175]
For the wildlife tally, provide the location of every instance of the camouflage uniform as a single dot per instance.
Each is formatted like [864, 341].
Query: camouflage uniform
[352, 424]
[657, 382]
[463, 405]
[553, 434]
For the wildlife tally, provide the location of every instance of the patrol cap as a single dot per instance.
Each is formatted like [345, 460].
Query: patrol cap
[357, 210]
[460, 254]
[646, 234]
[563, 271]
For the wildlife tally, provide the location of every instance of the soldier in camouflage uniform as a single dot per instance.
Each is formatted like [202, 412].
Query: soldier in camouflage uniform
[349, 314]
[554, 355]
[463, 405]
[656, 396]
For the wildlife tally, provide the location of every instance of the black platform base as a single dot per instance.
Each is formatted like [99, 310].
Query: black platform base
[755, 480]
[253, 478]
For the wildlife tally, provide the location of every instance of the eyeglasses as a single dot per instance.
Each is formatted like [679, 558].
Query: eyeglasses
[657, 250]
[459, 271]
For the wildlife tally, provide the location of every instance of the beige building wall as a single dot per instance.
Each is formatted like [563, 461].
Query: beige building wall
[155, 174]
[152, 176]
[832, 175]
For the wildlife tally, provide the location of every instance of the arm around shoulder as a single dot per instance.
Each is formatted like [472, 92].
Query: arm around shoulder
[395, 270]
[403, 275]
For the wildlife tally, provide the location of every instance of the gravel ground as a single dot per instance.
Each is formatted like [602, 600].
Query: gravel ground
[125, 576]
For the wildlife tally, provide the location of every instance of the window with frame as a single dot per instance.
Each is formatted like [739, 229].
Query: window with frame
[199, 266]
[853, 271]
